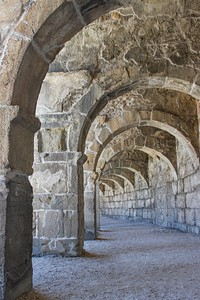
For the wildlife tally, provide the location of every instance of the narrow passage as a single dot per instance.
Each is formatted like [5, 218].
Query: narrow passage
[129, 261]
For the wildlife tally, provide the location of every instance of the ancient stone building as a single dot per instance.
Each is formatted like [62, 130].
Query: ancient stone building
[110, 90]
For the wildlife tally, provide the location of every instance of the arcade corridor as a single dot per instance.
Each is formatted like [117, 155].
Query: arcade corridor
[129, 261]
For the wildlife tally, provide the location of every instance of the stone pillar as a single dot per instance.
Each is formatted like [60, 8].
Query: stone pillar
[97, 207]
[3, 198]
[16, 202]
[18, 244]
[90, 205]
[58, 205]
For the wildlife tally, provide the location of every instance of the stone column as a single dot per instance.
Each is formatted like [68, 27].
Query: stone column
[90, 205]
[3, 198]
[58, 205]
[16, 202]
[97, 207]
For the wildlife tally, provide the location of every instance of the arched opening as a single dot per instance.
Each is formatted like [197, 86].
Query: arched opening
[37, 47]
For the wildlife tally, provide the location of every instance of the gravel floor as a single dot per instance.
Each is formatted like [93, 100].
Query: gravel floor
[129, 261]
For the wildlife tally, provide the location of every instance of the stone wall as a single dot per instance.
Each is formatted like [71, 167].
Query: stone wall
[165, 202]
[146, 47]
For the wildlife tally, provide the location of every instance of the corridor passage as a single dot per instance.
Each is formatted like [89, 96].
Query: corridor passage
[129, 261]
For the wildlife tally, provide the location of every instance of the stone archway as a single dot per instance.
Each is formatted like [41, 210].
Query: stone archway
[36, 34]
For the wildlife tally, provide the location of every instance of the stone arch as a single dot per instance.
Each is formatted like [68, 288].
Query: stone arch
[126, 165]
[21, 82]
[144, 119]
[152, 145]
[41, 52]
[109, 183]
[135, 163]
[119, 180]
[124, 173]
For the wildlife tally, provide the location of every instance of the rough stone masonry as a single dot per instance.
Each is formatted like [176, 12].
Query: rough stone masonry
[103, 97]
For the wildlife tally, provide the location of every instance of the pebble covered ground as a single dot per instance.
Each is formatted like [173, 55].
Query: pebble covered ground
[129, 261]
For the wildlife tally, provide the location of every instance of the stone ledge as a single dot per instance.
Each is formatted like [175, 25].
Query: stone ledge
[64, 247]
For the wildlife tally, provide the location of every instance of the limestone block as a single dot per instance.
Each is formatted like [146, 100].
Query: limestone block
[152, 202]
[134, 213]
[148, 203]
[180, 186]
[134, 204]
[72, 157]
[52, 140]
[21, 150]
[56, 247]
[73, 184]
[88, 100]
[181, 215]
[66, 247]
[129, 204]
[190, 216]
[145, 213]
[126, 204]
[116, 123]
[171, 216]
[10, 12]
[131, 117]
[113, 204]
[180, 200]
[170, 201]
[35, 16]
[184, 163]
[191, 182]
[53, 157]
[140, 203]
[70, 224]
[195, 229]
[145, 193]
[60, 91]
[50, 180]
[174, 187]
[55, 120]
[89, 165]
[145, 116]
[153, 215]
[149, 214]
[125, 197]
[6, 115]
[42, 200]
[53, 224]
[193, 200]
[64, 201]
[197, 216]
[15, 49]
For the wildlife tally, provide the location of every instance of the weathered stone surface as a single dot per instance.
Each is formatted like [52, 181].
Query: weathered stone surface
[52, 140]
[193, 200]
[17, 257]
[6, 116]
[70, 223]
[61, 91]
[180, 201]
[181, 216]
[52, 224]
[135, 67]
[190, 216]
[50, 180]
